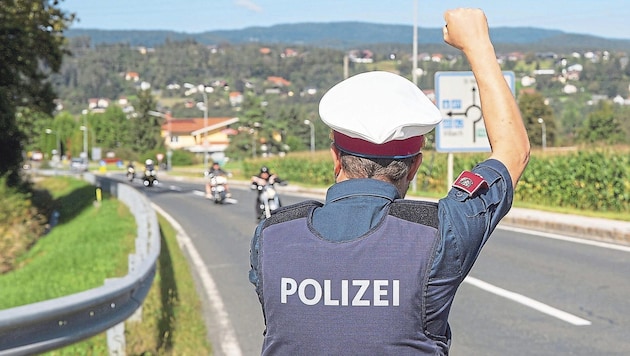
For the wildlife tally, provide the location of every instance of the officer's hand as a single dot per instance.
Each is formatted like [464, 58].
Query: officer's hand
[466, 29]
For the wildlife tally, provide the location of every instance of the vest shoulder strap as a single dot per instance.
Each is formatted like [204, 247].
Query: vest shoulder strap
[291, 212]
[418, 211]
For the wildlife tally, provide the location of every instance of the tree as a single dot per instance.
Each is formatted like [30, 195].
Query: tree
[533, 107]
[571, 119]
[622, 113]
[111, 129]
[601, 126]
[31, 33]
[145, 128]
[246, 142]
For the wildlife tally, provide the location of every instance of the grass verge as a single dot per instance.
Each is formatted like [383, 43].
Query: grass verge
[92, 243]
[172, 323]
[76, 255]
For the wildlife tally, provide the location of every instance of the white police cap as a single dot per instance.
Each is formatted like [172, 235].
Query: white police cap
[378, 114]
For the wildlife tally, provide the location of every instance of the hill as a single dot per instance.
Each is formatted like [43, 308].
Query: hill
[346, 35]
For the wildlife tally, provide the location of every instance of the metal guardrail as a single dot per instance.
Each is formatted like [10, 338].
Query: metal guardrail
[58, 322]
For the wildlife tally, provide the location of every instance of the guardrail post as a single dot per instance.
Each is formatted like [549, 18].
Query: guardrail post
[116, 340]
[142, 247]
[135, 260]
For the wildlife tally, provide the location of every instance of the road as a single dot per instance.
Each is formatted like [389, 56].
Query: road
[528, 294]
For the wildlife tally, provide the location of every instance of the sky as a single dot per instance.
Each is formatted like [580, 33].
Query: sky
[603, 18]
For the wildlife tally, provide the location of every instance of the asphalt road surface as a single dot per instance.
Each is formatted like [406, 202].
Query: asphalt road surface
[528, 294]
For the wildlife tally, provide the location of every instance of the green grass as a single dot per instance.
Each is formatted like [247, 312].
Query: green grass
[92, 243]
[172, 322]
[74, 256]
[61, 186]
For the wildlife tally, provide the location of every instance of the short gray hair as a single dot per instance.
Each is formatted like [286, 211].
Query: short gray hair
[389, 170]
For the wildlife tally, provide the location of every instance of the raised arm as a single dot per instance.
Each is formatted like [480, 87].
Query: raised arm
[467, 30]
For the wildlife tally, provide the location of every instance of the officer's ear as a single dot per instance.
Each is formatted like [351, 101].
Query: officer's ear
[413, 168]
[334, 152]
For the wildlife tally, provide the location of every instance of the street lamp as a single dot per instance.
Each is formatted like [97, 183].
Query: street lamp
[48, 132]
[204, 90]
[414, 46]
[84, 154]
[309, 123]
[84, 128]
[544, 133]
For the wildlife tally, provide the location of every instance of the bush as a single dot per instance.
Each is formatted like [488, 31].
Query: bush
[183, 158]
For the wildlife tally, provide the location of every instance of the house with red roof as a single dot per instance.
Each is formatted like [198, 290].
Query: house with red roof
[198, 135]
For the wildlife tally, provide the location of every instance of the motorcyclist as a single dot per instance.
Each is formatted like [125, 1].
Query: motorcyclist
[131, 170]
[149, 165]
[263, 178]
[216, 170]
[150, 173]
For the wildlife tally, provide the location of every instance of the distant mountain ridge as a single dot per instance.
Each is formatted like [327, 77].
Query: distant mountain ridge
[349, 35]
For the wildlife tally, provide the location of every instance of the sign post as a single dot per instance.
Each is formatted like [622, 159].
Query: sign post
[462, 128]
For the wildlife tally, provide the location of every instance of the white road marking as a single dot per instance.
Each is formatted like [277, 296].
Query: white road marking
[229, 343]
[567, 238]
[529, 302]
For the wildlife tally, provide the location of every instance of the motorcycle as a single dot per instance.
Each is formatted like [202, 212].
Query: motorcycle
[217, 188]
[150, 178]
[268, 199]
[131, 174]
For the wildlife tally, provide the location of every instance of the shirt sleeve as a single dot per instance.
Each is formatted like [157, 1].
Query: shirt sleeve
[253, 257]
[468, 220]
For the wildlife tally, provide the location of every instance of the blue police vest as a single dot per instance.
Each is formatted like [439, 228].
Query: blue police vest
[364, 296]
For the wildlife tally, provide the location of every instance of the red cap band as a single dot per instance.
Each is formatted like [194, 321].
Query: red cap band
[393, 149]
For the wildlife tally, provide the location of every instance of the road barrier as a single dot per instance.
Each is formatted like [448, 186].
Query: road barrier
[58, 322]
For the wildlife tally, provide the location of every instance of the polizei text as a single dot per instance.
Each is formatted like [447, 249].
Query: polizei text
[356, 293]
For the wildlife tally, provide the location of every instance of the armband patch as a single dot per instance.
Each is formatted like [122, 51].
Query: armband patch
[470, 182]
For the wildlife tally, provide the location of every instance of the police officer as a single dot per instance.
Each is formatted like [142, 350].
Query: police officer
[368, 272]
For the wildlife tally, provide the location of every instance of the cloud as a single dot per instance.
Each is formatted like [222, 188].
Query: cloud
[248, 4]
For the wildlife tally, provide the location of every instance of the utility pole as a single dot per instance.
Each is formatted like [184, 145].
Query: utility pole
[84, 128]
[544, 133]
[204, 90]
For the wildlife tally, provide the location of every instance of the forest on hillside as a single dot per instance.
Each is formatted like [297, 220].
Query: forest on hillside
[100, 71]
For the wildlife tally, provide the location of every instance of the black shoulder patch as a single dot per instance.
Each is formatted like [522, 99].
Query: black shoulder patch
[291, 212]
[418, 211]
